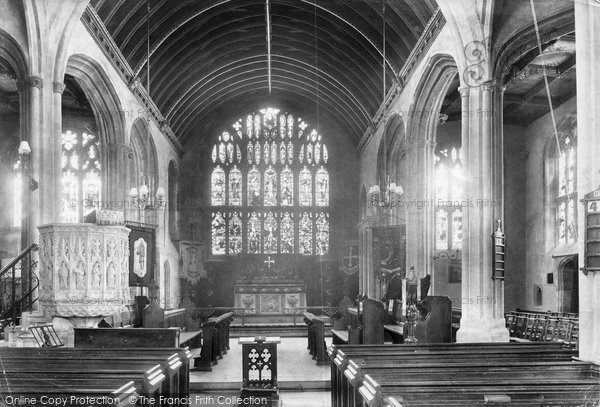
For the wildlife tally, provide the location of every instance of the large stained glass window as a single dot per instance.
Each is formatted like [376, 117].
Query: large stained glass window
[270, 187]
[566, 195]
[81, 175]
[449, 197]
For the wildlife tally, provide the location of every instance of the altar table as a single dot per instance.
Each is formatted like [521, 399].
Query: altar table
[270, 298]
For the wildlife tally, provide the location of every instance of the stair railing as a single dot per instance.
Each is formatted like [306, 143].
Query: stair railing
[18, 283]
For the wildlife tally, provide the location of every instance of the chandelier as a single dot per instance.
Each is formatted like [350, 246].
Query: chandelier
[141, 198]
[385, 196]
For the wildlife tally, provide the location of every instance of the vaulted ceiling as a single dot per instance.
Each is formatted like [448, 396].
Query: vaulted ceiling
[209, 58]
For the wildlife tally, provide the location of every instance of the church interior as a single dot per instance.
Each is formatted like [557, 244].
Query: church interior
[300, 202]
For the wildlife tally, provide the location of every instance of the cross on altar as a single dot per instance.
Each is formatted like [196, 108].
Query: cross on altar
[269, 262]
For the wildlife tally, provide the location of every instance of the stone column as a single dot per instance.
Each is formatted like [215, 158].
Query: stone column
[483, 307]
[420, 222]
[54, 167]
[30, 111]
[587, 35]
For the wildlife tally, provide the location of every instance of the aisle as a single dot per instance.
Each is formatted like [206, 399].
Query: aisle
[301, 382]
[296, 369]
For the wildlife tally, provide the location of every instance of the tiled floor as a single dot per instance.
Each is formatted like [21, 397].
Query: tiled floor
[302, 383]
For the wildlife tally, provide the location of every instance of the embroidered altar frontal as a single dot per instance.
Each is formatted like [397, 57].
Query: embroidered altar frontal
[260, 298]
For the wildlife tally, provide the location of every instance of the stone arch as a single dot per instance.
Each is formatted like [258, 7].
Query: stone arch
[422, 123]
[173, 199]
[567, 291]
[524, 41]
[143, 162]
[13, 54]
[429, 95]
[396, 130]
[145, 158]
[12, 132]
[110, 121]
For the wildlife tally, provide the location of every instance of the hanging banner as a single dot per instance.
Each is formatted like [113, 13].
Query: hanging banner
[142, 249]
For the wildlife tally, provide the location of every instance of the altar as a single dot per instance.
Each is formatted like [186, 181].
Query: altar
[270, 297]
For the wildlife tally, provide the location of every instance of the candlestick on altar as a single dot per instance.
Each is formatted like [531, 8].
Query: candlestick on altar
[418, 289]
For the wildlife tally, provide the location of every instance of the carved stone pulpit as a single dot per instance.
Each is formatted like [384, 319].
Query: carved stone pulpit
[84, 270]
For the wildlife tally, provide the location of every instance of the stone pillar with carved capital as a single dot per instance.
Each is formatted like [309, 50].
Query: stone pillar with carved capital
[30, 110]
[420, 222]
[54, 156]
[483, 297]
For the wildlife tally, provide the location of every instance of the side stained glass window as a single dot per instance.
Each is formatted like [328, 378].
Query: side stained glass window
[81, 174]
[270, 187]
[448, 190]
[566, 191]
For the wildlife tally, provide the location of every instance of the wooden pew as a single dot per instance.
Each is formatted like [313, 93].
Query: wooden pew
[396, 356]
[316, 337]
[139, 345]
[127, 337]
[215, 341]
[174, 363]
[565, 387]
[525, 326]
[97, 372]
[157, 317]
[461, 374]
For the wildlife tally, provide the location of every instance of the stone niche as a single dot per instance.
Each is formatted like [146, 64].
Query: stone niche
[84, 270]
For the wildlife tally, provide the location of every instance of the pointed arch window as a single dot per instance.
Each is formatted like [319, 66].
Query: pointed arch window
[566, 191]
[449, 197]
[81, 174]
[270, 186]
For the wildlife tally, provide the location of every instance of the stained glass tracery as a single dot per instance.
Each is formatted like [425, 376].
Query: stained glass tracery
[566, 194]
[266, 166]
[449, 195]
[81, 174]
